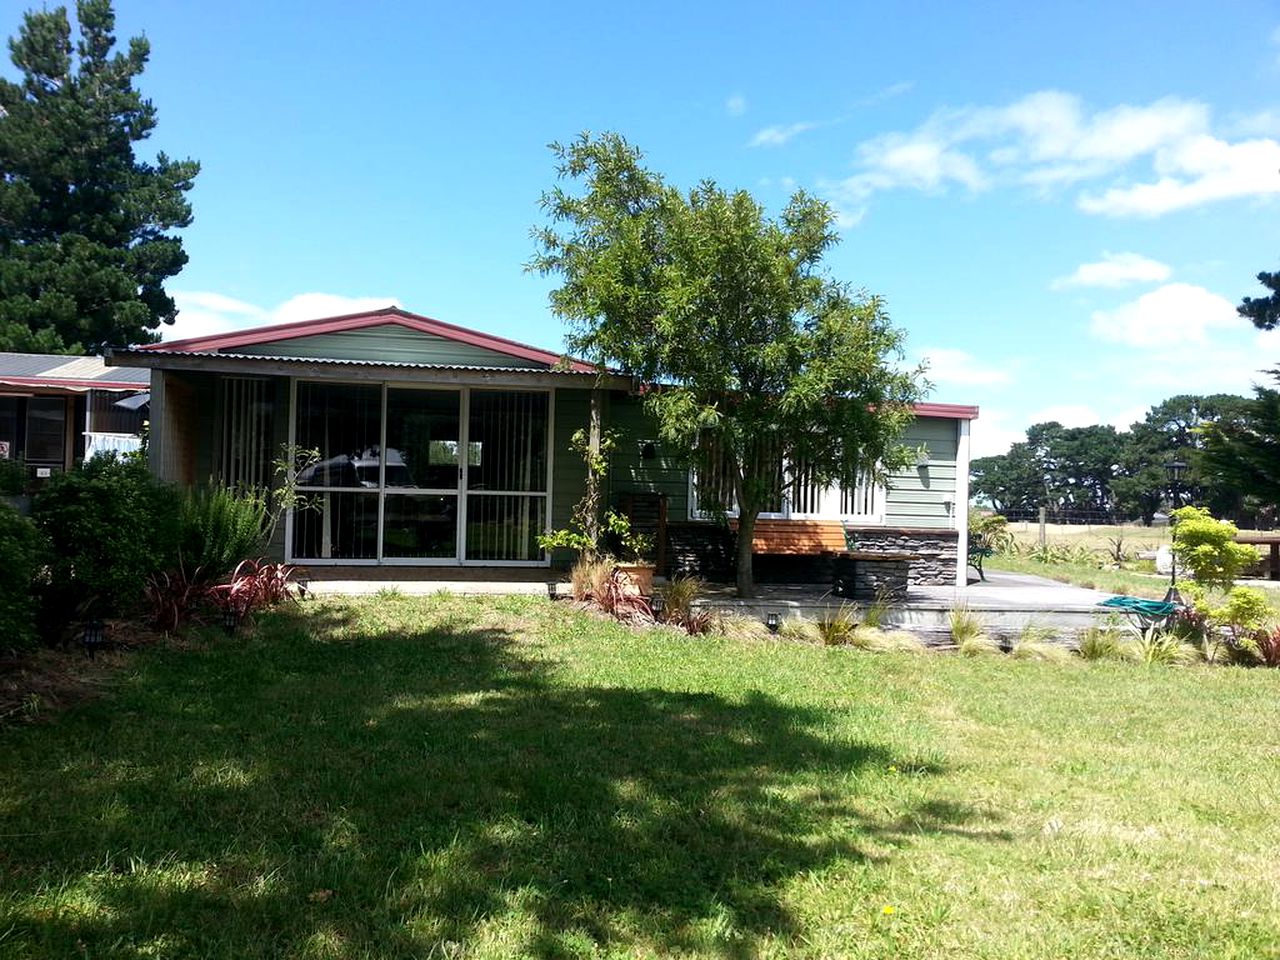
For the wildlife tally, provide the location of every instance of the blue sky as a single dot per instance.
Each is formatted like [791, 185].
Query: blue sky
[1061, 203]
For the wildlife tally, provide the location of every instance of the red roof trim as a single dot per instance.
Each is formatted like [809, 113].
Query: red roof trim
[948, 411]
[356, 321]
[73, 384]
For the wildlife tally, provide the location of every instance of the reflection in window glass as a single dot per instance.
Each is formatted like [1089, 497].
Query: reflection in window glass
[505, 528]
[9, 427]
[420, 526]
[336, 526]
[422, 438]
[46, 429]
[508, 437]
[344, 422]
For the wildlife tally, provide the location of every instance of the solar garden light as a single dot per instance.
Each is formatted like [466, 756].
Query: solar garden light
[658, 604]
[93, 636]
[230, 618]
[1175, 470]
[772, 621]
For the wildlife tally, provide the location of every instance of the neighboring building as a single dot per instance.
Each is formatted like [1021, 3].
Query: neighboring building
[56, 410]
[476, 432]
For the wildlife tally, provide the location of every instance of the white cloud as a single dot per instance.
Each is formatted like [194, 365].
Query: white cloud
[1175, 315]
[736, 105]
[1194, 172]
[201, 313]
[779, 136]
[1050, 140]
[947, 366]
[1115, 270]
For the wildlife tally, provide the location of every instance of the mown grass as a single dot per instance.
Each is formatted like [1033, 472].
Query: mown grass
[435, 777]
[1087, 575]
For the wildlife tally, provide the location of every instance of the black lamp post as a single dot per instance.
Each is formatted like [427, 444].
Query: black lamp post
[1175, 469]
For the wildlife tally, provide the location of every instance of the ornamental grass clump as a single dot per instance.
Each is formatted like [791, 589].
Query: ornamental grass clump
[968, 633]
[836, 628]
[877, 640]
[1155, 646]
[1036, 643]
[1103, 642]
[799, 630]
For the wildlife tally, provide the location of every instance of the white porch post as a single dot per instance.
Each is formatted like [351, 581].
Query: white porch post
[960, 513]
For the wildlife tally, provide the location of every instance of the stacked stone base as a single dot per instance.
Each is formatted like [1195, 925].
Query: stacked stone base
[933, 548]
[708, 550]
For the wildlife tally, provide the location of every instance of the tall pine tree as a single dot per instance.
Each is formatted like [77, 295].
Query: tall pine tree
[86, 239]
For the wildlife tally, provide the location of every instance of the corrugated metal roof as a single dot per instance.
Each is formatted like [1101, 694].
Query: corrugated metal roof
[58, 368]
[399, 364]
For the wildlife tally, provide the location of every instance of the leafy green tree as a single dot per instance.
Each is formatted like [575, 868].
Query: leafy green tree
[1013, 482]
[85, 246]
[1264, 312]
[1243, 452]
[752, 348]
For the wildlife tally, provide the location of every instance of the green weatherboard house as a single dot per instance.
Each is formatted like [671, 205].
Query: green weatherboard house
[441, 445]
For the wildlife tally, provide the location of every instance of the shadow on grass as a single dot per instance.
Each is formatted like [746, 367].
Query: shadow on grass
[329, 790]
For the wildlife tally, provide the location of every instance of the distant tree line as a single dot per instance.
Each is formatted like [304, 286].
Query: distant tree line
[1098, 474]
[1230, 445]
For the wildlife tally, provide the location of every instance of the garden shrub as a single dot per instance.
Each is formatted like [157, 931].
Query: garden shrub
[13, 478]
[110, 526]
[1206, 547]
[993, 528]
[221, 528]
[22, 556]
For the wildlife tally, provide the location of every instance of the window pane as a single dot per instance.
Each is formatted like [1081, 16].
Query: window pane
[336, 526]
[46, 429]
[416, 526]
[343, 421]
[422, 439]
[505, 528]
[508, 441]
[246, 432]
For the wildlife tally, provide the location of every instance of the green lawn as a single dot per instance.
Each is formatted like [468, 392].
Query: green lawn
[1088, 575]
[507, 777]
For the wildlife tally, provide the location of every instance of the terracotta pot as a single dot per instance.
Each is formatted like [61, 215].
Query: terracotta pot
[639, 576]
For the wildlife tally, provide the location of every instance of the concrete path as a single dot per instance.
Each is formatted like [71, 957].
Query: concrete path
[1013, 591]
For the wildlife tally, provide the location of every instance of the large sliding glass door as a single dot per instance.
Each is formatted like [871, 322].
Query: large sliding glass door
[415, 475]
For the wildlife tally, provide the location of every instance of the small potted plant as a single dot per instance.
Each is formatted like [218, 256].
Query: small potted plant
[635, 549]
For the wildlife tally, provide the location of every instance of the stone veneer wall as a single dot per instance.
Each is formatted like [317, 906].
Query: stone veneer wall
[936, 548]
[707, 549]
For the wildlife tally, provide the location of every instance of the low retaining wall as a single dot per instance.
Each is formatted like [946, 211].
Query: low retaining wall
[708, 550]
[934, 550]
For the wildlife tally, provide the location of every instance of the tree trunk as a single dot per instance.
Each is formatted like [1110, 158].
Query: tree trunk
[743, 573]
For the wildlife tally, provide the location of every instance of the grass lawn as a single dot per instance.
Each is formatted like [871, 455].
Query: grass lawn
[442, 777]
[1089, 575]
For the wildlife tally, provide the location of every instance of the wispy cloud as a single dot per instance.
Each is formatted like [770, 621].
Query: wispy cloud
[1115, 270]
[201, 312]
[1049, 141]
[958, 367]
[736, 105]
[778, 136]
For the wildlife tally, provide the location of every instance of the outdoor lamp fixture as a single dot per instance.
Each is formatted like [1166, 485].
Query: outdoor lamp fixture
[230, 619]
[658, 605]
[551, 589]
[772, 621]
[1175, 469]
[93, 637]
